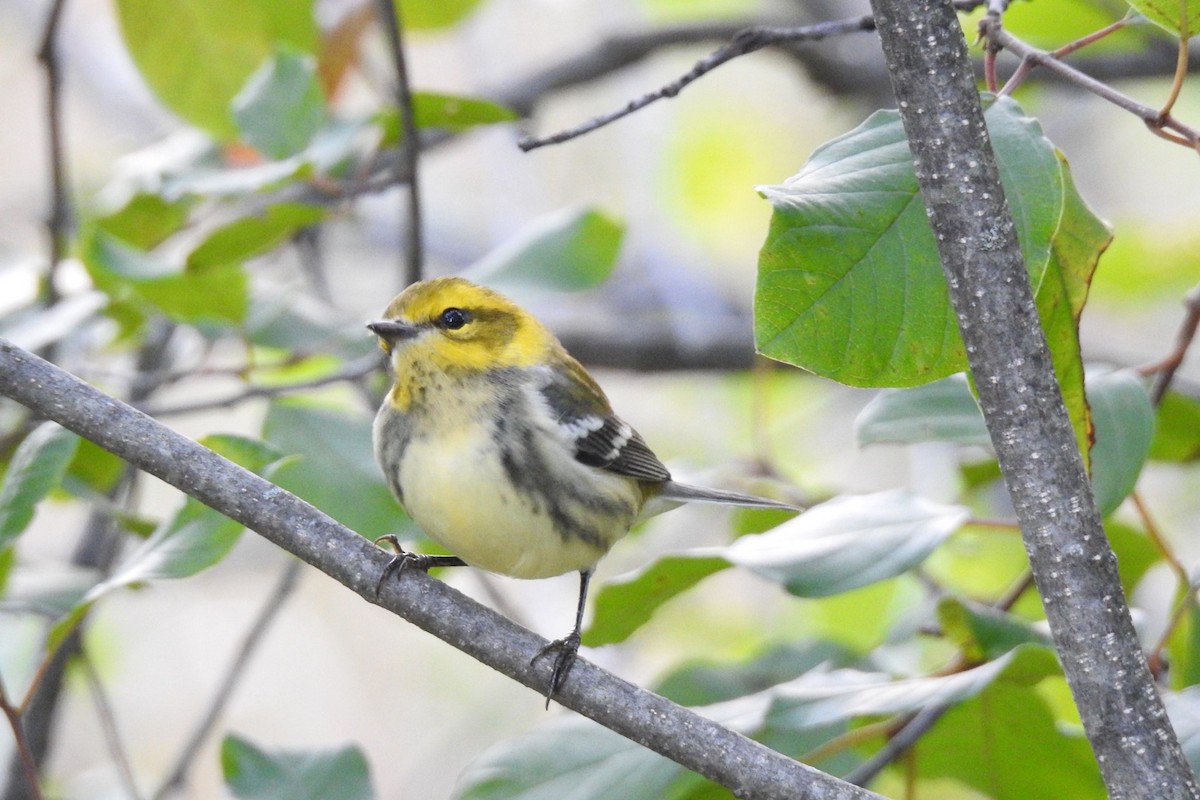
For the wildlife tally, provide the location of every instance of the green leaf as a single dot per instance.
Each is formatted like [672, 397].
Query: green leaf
[982, 633]
[1176, 429]
[96, 467]
[848, 542]
[1136, 554]
[421, 15]
[336, 470]
[281, 107]
[707, 683]
[251, 236]
[252, 773]
[1007, 744]
[37, 467]
[445, 111]
[1180, 17]
[1124, 423]
[566, 251]
[942, 411]
[131, 276]
[850, 285]
[625, 604]
[197, 54]
[193, 539]
[146, 220]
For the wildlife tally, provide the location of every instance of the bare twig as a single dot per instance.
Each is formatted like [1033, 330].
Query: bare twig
[108, 721]
[254, 636]
[351, 372]
[745, 41]
[1165, 369]
[59, 221]
[410, 146]
[29, 768]
[1161, 124]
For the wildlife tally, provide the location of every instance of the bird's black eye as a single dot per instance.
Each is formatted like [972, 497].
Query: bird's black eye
[452, 319]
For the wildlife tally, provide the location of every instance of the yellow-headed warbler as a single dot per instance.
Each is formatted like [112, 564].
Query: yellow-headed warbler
[505, 450]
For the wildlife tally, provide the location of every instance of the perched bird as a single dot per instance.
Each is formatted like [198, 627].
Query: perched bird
[505, 451]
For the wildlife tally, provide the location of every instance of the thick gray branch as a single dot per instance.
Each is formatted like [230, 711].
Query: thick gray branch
[750, 769]
[1075, 569]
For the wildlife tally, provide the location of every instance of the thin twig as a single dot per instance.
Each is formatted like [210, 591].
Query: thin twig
[24, 752]
[414, 246]
[351, 372]
[108, 722]
[898, 745]
[1165, 126]
[254, 636]
[1164, 370]
[59, 221]
[745, 41]
[1181, 68]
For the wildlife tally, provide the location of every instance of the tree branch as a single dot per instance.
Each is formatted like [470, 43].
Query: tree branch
[59, 221]
[1074, 567]
[750, 769]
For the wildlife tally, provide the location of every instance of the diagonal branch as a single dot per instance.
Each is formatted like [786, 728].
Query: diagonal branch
[1073, 565]
[752, 770]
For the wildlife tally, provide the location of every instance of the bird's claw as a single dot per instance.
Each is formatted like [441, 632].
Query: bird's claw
[567, 649]
[401, 560]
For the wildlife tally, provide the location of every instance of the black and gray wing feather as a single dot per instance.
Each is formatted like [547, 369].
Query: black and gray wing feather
[601, 438]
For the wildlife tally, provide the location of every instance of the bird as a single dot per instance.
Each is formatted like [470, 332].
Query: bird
[504, 450]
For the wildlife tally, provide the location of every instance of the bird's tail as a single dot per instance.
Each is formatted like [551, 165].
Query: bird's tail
[673, 494]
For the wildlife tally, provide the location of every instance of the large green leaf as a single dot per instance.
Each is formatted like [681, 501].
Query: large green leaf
[336, 469]
[446, 111]
[197, 54]
[984, 633]
[252, 773]
[1124, 422]
[848, 542]
[850, 285]
[567, 251]
[36, 468]
[434, 14]
[146, 220]
[282, 106]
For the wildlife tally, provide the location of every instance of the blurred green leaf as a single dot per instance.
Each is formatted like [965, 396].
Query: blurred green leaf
[1124, 427]
[282, 106]
[707, 683]
[252, 236]
[197, 54]
[252, 773]
[1183, 648]
[8, 557]
[1176, 429]
[625, 604]
[193, 539]
[146, 220]
[446, 111]
[37, 467]
[421, 15]
[983, 633]
[1179, 17]
[336, 470]
[96, 467]
[942, 411]
[128, 275]
[1007, 744]
[566, 251]
[848, 542]
[1070, 20]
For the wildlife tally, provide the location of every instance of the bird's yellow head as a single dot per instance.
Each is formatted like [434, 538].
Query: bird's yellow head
[450, 324]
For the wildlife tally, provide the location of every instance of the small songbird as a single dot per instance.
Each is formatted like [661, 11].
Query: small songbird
[505, 451]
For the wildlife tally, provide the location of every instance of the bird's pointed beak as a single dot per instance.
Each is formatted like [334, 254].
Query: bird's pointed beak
[391, 331]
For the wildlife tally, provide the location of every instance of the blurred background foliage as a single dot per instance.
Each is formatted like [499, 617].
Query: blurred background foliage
[233, 212]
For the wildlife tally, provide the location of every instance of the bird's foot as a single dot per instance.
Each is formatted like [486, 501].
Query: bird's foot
[402, 560]
[566, 649]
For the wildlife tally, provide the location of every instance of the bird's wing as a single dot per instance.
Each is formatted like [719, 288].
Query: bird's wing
[600, 438]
